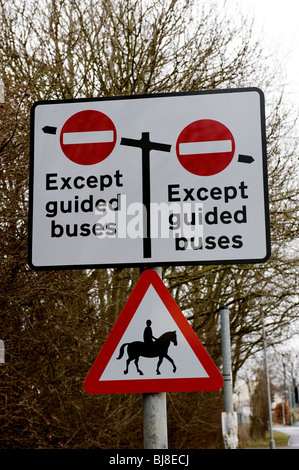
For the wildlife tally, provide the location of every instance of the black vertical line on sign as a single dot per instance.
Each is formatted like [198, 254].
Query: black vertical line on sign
[146, 199]
[146, 146]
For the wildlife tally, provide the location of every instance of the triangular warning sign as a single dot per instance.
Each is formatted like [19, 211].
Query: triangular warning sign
[152, 348]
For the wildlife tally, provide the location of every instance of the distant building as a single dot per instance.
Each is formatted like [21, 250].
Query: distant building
[242, 404]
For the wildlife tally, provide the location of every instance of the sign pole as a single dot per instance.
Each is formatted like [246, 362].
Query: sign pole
[154, 413]
[154, 421]
[229, 417]
[272, 441]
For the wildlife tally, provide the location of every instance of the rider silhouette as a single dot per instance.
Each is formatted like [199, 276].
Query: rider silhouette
[148, 337]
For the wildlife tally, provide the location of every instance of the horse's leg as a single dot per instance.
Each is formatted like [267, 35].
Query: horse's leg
[172, 362]
[129, 359]
[136, 364]
[158, 365]
[127, 363]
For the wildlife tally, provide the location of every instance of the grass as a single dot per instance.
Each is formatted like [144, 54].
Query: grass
[281, 440]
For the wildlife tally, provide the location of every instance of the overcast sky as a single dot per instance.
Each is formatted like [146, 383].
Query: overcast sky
[277, 23]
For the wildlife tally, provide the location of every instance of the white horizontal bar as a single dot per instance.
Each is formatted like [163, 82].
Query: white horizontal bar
[91, 137]
[214, 146]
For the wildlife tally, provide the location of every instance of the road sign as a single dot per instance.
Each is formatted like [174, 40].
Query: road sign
[172, 179]
[205, 147]
[88, 137]
[152, 348]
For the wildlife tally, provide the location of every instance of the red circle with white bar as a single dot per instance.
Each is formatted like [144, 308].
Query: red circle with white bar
[88, 137]
[205, 147]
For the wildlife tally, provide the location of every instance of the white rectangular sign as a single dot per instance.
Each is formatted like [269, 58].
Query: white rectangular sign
[172, 179]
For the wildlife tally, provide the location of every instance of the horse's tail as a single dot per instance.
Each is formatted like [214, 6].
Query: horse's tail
[121, 351]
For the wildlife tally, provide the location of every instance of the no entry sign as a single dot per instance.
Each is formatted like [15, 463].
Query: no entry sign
[171, 179]
[88, 137]
[205, 147]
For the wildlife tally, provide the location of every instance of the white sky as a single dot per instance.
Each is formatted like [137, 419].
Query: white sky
[277, 24]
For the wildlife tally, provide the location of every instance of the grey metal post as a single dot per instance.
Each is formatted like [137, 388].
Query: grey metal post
[272, 442]
[155, 415]
[155, 421]
[229, 417]
[226, 360]
[284, 395]
[290, 403]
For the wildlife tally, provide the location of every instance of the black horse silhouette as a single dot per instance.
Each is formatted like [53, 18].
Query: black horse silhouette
[158, 348]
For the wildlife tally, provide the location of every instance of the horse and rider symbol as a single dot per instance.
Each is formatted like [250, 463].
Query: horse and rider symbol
[149, 347]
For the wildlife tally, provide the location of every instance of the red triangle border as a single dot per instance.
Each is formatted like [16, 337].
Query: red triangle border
[93, 385]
